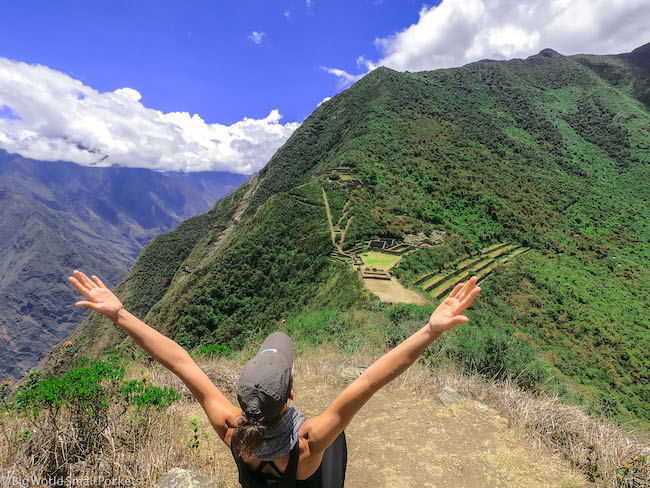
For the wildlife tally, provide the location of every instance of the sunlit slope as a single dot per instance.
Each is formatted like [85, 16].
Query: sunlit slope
[549, 153]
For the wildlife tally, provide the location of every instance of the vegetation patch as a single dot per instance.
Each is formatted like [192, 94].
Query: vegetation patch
[441, 282]
[379, 260]
[70, 420]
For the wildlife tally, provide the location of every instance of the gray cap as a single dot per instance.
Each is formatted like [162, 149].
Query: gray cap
[265, 381]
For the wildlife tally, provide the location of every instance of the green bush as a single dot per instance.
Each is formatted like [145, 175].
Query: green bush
[143, 396]
[212, 350]
[496, 354]
[85, 389]
[69, 412]
[318, 327]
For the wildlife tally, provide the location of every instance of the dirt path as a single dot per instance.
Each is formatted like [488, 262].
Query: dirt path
[236, 217]
[399, 440]
[344, 231]
[343, 213]
[329, 219]
[392, 291]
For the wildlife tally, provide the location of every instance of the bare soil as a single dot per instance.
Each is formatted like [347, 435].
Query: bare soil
[392, 291]
[329, 220]
[403, 440]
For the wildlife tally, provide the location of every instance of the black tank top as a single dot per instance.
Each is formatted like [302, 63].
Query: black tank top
[249, 478]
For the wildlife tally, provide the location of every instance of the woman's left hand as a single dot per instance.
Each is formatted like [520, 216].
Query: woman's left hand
[99, 298]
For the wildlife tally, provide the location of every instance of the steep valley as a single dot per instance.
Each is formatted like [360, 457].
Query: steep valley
[57, 216]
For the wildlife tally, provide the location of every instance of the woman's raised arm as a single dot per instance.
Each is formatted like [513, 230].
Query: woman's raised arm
[323, 430]
[164, 350]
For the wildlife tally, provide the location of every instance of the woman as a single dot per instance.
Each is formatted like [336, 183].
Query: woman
[272, 443]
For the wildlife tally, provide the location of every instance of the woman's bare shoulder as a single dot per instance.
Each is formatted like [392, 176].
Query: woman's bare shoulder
[231, 423]
[305, 428]
[308, 433]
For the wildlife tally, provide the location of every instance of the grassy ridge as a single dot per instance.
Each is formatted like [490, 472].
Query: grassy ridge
[277, 263]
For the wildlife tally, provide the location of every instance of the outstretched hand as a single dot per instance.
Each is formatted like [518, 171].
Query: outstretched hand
[449, 312]
[99, 298]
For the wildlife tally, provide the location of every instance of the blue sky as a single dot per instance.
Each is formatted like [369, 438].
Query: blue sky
[196, 56]
[221, 85]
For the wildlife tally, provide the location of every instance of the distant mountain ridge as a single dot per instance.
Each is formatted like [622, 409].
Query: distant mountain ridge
[550, 152]
[57, 216]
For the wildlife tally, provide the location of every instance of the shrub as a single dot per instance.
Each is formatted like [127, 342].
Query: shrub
[69, 413]
[212, 350]
[495, 354]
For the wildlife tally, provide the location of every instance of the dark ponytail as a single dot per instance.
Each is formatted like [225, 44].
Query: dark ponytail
[248, 435]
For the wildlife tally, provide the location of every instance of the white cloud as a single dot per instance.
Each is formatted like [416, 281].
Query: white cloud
[257, 37]
[52, 116]
[309, 3]
[345, 78]
[457, 32]
[129, 92]
[287, 14]
[326, 99]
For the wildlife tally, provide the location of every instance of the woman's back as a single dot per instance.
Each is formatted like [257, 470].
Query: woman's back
[308, 469]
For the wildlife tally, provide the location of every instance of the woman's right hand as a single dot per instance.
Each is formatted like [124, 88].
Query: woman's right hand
[99, 298]
[449, 312]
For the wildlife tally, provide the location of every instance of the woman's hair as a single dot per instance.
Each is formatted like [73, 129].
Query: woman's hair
[247, 436]
[249, 433]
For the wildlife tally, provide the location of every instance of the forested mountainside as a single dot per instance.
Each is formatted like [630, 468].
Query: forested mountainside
[55, 216]
[551, 153]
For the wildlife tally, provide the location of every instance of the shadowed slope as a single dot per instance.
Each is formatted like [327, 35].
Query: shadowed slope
[57, 216]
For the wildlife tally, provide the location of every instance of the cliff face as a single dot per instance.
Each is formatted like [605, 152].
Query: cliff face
[55, 217]
[550, 152]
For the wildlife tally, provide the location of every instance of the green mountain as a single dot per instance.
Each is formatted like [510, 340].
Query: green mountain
[550, 153]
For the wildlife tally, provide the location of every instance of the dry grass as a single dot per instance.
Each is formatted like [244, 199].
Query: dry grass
[141, 451]
[148, 450]
[595, 446]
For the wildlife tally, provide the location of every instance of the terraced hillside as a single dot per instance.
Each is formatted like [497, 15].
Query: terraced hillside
[550, 152]
[481, 265]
